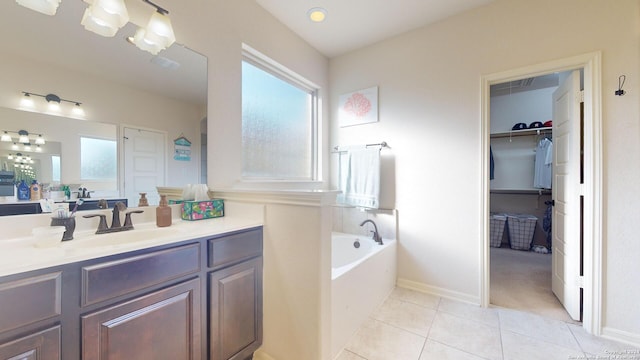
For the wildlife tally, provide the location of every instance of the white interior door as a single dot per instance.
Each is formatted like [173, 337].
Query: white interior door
[566, 229]
[144, 164]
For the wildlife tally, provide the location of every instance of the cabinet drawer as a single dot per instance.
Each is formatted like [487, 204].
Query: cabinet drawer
[29, 300]
[233, 248]
[108, 280]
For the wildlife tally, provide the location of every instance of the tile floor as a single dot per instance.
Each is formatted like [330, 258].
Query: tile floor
[415, 326]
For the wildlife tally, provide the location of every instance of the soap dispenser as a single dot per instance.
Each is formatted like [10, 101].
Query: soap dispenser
[36, 192]
[163, 212]
[23, 190]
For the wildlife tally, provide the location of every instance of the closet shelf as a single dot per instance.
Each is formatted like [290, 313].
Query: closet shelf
[525, 132]
[521, 191]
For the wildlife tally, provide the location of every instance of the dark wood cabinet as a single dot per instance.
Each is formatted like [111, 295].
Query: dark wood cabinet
[42, 345]
[161, 325]
[235, 310]
[191, 300]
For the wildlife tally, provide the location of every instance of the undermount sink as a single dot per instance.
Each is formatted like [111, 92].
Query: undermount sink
[144, 232]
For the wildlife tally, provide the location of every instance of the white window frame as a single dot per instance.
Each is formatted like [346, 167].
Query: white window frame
[263, 62]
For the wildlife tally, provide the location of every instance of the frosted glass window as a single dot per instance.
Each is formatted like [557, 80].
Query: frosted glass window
[98, 159]
[278, 125]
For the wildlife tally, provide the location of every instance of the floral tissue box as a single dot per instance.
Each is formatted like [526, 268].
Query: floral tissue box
[198, 210]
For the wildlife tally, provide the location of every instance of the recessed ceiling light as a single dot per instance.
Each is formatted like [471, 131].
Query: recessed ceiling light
[317, 14]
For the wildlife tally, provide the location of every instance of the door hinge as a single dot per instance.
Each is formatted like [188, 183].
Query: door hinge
[580, 96]
[581, 188]
[580, 281]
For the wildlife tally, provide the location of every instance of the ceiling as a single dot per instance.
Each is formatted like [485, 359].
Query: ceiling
[62, 41]
[353, 24]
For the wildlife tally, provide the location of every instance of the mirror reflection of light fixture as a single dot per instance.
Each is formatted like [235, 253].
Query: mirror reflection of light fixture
[21, 138]
[77, 110]
[47, 7]
[105, 17]
[53, 104]
[27, 101]
[157, 35]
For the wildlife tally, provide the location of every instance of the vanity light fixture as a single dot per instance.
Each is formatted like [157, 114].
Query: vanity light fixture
[317, 14]
[157, 35]
[47, 7]
[105, 17]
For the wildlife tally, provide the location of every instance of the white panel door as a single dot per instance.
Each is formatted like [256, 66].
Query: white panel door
[566, 192]
[144, 164]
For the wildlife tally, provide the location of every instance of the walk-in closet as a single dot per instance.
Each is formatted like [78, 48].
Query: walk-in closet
[521, 193]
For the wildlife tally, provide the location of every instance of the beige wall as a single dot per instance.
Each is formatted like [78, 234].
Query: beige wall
[430, 115]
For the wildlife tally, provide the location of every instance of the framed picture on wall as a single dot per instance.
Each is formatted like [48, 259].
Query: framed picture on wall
[359, 107]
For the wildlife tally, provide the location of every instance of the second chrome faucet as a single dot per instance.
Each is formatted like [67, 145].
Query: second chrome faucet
[115, 221]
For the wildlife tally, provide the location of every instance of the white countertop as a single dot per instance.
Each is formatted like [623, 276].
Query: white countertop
[24, 253]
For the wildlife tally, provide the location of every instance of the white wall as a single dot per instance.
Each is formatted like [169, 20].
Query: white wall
[429, 81]
[522, 107]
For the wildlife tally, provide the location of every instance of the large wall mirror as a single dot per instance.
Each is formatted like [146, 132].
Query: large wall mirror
[120, 87]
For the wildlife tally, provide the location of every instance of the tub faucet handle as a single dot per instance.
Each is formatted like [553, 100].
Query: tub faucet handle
[376, 236]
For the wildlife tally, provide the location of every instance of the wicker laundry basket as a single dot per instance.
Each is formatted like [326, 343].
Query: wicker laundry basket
[496, 229]
[521, 229]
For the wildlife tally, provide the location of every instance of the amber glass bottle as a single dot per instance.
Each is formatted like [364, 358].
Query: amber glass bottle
[163, 212]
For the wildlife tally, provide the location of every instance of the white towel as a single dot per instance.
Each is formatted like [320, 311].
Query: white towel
[359, 177]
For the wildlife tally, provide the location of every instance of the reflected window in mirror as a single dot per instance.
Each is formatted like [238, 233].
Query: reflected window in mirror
[98, 159]
[55, 166]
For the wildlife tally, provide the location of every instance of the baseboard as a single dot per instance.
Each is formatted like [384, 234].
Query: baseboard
[261, 355]
[621, 336]
[438, 291]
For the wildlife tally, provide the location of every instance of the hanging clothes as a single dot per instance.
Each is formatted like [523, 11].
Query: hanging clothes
[543, 168]
[492, 166]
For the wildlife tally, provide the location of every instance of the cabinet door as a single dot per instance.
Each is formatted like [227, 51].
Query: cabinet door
[44, 345]
[235, 306]
[162, 325]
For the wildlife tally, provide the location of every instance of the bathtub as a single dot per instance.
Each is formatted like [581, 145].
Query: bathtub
[361, 279]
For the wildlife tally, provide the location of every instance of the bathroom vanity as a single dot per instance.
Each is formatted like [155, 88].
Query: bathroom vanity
[195, 292]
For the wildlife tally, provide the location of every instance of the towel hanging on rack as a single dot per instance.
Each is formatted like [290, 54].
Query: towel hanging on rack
[359, 177]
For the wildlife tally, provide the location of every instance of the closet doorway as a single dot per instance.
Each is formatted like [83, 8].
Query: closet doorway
[521, 195]
[570, 277]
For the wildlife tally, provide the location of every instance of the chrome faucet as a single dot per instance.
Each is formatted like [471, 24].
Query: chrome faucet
[115, 220]
[376, 236]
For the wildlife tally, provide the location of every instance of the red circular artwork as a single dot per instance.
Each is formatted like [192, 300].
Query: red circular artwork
[358, 105]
